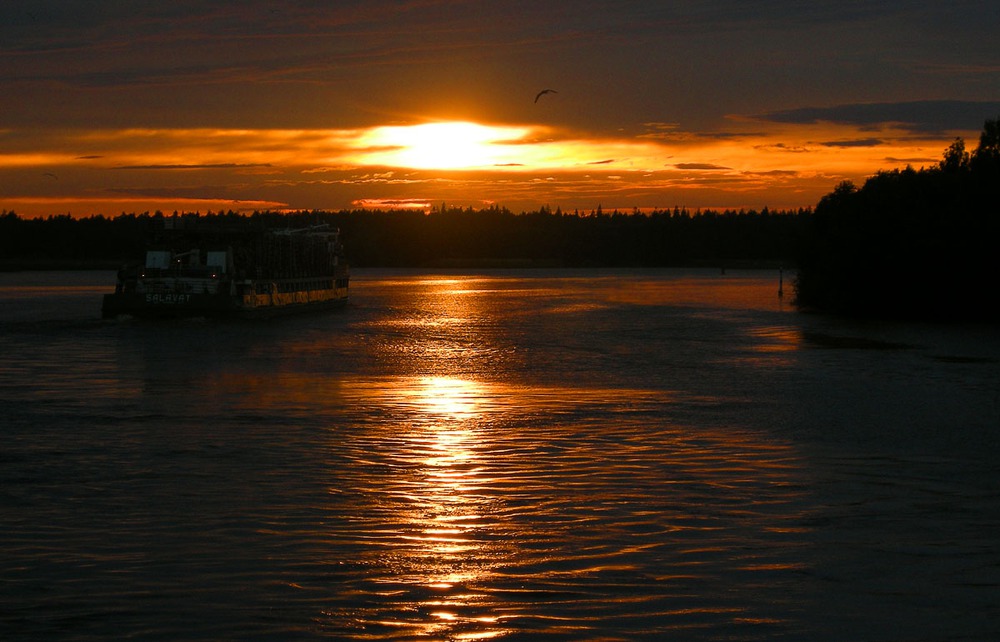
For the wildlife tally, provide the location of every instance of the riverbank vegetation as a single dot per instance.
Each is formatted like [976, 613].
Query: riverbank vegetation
[914, 244]
[449, 237]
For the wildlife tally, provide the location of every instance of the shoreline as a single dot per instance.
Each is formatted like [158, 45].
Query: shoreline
[49, 264]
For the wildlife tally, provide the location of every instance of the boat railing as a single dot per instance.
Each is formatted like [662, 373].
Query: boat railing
[185, 272]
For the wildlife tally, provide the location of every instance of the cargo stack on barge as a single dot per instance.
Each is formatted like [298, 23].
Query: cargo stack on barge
[197, 267]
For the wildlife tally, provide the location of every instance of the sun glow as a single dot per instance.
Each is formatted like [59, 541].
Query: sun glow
[448, 145]
[412, 166]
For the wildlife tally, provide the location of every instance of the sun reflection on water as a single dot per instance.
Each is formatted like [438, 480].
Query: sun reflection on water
[444, 399]
[442, 554]
[491, 499]
[490, 505]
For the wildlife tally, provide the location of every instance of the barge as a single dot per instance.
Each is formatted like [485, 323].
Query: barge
[239, 269]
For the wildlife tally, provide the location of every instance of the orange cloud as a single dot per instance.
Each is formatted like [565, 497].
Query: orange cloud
[778, 164]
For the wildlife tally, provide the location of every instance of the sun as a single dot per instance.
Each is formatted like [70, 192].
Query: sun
[444, 145]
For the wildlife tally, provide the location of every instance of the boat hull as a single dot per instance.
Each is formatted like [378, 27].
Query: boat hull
[186, 305]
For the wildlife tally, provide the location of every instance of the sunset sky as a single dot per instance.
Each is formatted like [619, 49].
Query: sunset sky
[113, 106]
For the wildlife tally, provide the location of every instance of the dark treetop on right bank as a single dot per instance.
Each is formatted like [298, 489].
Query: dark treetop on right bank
[913, 244]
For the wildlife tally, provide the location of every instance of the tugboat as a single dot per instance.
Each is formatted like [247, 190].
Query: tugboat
[198, 267]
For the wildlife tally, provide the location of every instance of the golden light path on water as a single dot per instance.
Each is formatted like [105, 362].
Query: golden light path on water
[481, 503]
[488, 513]
[446, 448]
[444, 504]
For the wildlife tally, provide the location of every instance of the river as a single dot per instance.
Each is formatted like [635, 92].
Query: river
[505, 455]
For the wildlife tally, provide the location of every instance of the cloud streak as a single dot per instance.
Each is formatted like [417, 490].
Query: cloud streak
[927, 117]
[331, 169]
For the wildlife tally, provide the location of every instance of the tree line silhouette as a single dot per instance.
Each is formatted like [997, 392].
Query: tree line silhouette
[917, 244]
[448, 236]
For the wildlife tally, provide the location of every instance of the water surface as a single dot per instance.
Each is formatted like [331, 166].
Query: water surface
[578, 455]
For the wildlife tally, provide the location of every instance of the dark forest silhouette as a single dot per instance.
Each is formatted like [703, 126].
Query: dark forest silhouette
[448, 237]
[917, 244]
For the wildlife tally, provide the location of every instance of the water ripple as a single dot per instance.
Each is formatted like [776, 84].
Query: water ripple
[494, 503]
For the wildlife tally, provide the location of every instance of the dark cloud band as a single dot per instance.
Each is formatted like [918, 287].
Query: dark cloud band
[923, 117]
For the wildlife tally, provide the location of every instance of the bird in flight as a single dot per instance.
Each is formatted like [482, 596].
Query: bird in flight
[543, 92]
